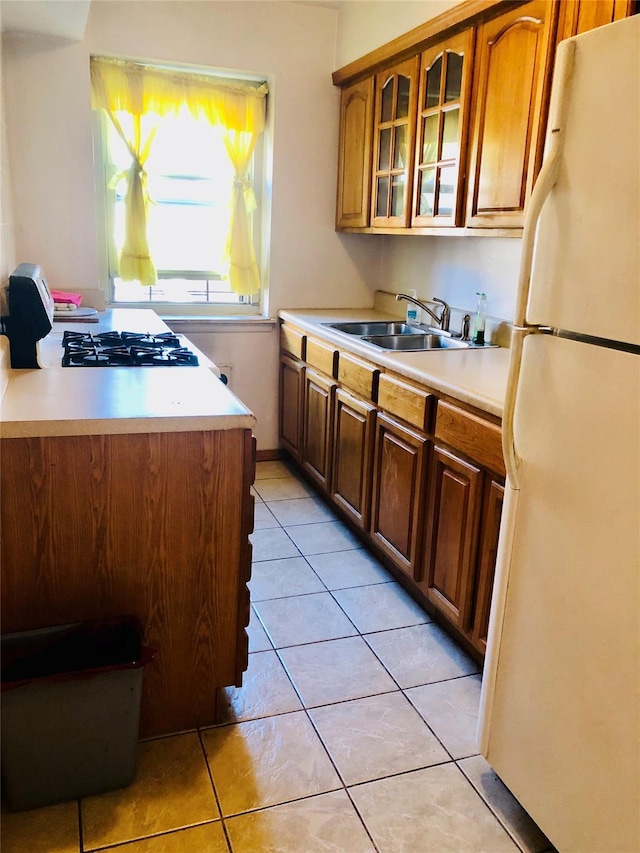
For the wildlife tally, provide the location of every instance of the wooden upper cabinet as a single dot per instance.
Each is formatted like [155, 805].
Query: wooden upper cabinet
[354, 164]
[512, 71]
[441, 133]
[579, 16]
[394, 140]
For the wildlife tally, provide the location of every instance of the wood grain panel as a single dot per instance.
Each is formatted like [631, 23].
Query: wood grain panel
[291, 404]
[455, 495]
[477, 438]
[317, 428]
[411, 404]
[292, 341]
[489, 533]
[354, 159]
[579, 16]
[352, 457]
[358, 376]
[154, 525]
[322, 356]
[398, 484]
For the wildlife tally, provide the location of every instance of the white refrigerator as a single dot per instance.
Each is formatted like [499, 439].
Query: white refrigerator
[560, 706]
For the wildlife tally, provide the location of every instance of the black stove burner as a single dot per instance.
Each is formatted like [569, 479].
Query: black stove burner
[128, 349]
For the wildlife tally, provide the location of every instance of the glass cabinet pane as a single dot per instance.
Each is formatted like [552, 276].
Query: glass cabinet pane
[397, 195]
[402, 108]
[447, 191]
[427, 192]
[432, 89]
[384, 157]
[387, 101]
[382, 196]
[450, 143]
[453, 85]
[400, 147]
[430, 139]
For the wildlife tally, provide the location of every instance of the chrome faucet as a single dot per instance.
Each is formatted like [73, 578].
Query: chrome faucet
[445, 317]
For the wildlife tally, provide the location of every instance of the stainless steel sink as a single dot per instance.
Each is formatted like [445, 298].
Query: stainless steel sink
[412, 342]
[376, 328]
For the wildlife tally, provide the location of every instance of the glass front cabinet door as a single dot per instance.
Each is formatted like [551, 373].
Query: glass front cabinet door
[443, 104]
[394, 135]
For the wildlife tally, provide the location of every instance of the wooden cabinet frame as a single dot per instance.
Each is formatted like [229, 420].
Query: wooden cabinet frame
[353, 438]
[355, 155]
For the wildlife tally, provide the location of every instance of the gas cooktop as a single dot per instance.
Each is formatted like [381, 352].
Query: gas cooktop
[125, 349]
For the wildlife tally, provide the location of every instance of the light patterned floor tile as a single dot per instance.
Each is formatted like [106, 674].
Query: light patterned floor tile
[324, 824]
[301, 511]
[258, 640]
[272, 544]
[303, 619]
[265, 690]
[504, 805]
[375, 737]
[451, 710]
[256, 496]
[53, 829]
[434, 810]
[323, 537]
[283, 578]
[420, 654]
[335, 671]
[263, 519]
[348, 568]
[266, 762]
[208, 838]
[380, 607]
[282, 489]
[171, 790]
[273, 469]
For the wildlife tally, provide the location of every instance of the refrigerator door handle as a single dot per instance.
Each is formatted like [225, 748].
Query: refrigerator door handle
[544, 184]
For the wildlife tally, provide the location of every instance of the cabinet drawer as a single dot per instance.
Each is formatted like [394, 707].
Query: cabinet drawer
[358, 376]
[292, 341]
[479, 439]
[322, 356]
[411, 404]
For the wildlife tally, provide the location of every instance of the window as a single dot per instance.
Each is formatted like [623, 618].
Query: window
[187, 182]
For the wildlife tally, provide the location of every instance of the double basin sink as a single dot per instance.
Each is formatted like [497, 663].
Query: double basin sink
[400, 336]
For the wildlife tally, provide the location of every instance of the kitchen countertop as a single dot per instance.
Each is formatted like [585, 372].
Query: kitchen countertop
[58, 400]
[474, 376]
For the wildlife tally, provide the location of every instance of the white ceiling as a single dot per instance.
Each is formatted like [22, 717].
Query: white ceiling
[65, 18]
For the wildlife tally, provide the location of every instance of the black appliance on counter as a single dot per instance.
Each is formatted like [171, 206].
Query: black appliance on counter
[30, 314]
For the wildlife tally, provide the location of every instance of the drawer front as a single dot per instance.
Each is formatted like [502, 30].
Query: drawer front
[479, 439]
[323, 357]
[411, 404]
[358, 376]
[292, 341]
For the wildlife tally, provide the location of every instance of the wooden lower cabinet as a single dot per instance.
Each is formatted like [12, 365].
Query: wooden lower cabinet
[353, 437]
[399, 470]
[455, 497]
[317, 444]
[155, 525]
[489, 533]
[291, 404]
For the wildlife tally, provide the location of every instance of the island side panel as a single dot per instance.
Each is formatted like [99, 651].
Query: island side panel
[150, 524]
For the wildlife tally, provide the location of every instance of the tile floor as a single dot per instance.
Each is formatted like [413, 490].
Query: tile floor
[354, 730]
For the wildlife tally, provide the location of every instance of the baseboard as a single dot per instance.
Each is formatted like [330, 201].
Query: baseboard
[270, 455]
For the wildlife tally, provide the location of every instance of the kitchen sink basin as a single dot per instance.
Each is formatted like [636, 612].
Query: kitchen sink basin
[413, 342]
[376, 328]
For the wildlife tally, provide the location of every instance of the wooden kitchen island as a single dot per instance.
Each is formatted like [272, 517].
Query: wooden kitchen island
[127, 491]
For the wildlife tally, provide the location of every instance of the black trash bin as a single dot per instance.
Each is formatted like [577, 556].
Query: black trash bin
[70, 710]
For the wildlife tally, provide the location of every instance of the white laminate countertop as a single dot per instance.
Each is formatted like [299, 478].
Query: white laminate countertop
[58, 400]
[474, 376]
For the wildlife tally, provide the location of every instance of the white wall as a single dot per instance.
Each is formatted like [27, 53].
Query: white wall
[364, 25]
[49, 129]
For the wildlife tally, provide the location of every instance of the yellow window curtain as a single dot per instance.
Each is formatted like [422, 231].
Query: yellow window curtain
[120, 86]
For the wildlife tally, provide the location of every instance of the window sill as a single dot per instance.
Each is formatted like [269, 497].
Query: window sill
[219, 324]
